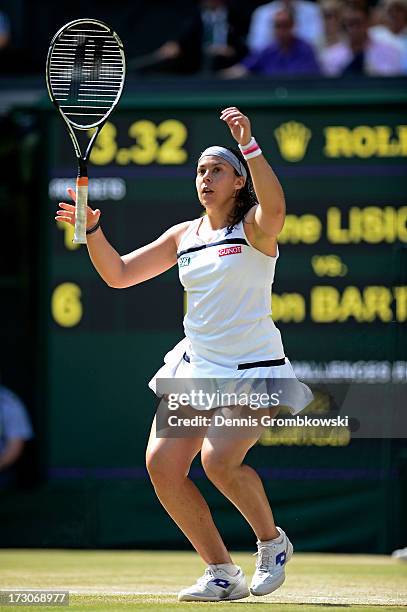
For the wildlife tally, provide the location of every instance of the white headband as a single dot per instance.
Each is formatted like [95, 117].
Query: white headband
[227, 156]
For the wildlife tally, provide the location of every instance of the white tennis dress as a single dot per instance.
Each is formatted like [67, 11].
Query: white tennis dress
[228, 326]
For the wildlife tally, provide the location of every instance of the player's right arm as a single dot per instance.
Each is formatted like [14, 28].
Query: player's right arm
[136, 267]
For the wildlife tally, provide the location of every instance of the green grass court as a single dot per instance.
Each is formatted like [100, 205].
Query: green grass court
[145, 580]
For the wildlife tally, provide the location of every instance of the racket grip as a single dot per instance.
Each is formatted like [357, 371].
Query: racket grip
[80, 212]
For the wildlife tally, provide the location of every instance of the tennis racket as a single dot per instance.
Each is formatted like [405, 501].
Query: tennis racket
[85, 77]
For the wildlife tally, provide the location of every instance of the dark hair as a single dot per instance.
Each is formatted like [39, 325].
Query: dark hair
[358, 6]
[246, 197]
[287, 11]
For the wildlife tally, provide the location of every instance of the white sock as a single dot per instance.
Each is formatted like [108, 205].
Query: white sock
[275, 541]
[229, 568]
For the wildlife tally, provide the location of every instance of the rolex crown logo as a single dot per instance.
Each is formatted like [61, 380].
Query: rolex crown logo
[292, 138]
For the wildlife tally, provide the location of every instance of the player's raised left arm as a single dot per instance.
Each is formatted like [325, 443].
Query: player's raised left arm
[270, 213]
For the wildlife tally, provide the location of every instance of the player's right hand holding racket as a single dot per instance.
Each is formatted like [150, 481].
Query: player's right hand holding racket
[66, 214]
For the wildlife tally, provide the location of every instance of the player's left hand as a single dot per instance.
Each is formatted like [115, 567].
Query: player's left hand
[238, 124]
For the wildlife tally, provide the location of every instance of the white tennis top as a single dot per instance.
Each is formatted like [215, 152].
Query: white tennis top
[228, 284]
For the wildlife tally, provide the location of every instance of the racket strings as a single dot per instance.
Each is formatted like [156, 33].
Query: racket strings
[86, 73]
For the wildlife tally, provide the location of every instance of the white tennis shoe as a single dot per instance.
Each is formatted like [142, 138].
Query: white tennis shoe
[401, 553]
[216, 585]
[270, 565]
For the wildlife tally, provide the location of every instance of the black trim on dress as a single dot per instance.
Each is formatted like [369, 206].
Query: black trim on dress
[212, 244]
[254, 364]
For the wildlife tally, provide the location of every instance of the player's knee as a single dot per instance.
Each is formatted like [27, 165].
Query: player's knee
[161, 469]
[216, 465]
[157, 467]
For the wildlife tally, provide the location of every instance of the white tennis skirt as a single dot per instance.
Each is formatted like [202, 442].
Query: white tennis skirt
[184, 372]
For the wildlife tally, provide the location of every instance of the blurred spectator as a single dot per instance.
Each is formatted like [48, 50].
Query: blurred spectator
[4, 31]
[288, 55]
[15, 430]
[212, 41]
[360, 53]
[13, 60]
[393, 26]
[331, 11]
[307, 17]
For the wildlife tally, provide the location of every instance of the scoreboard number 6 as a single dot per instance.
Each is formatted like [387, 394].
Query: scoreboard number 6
[66, 305]
[161, 144]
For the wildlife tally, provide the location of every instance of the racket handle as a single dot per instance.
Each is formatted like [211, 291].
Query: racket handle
[81, 212]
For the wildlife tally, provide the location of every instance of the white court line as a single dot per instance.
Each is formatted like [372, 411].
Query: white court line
[311, 599]
[364, 599]
[114, 593]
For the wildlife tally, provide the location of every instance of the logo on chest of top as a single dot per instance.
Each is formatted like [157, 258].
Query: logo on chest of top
[184, 261]
[230, 251]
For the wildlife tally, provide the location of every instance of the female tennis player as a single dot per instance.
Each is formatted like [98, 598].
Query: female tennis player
[226, 262]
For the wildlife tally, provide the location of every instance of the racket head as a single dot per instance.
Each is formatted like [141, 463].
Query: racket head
[85, 72]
